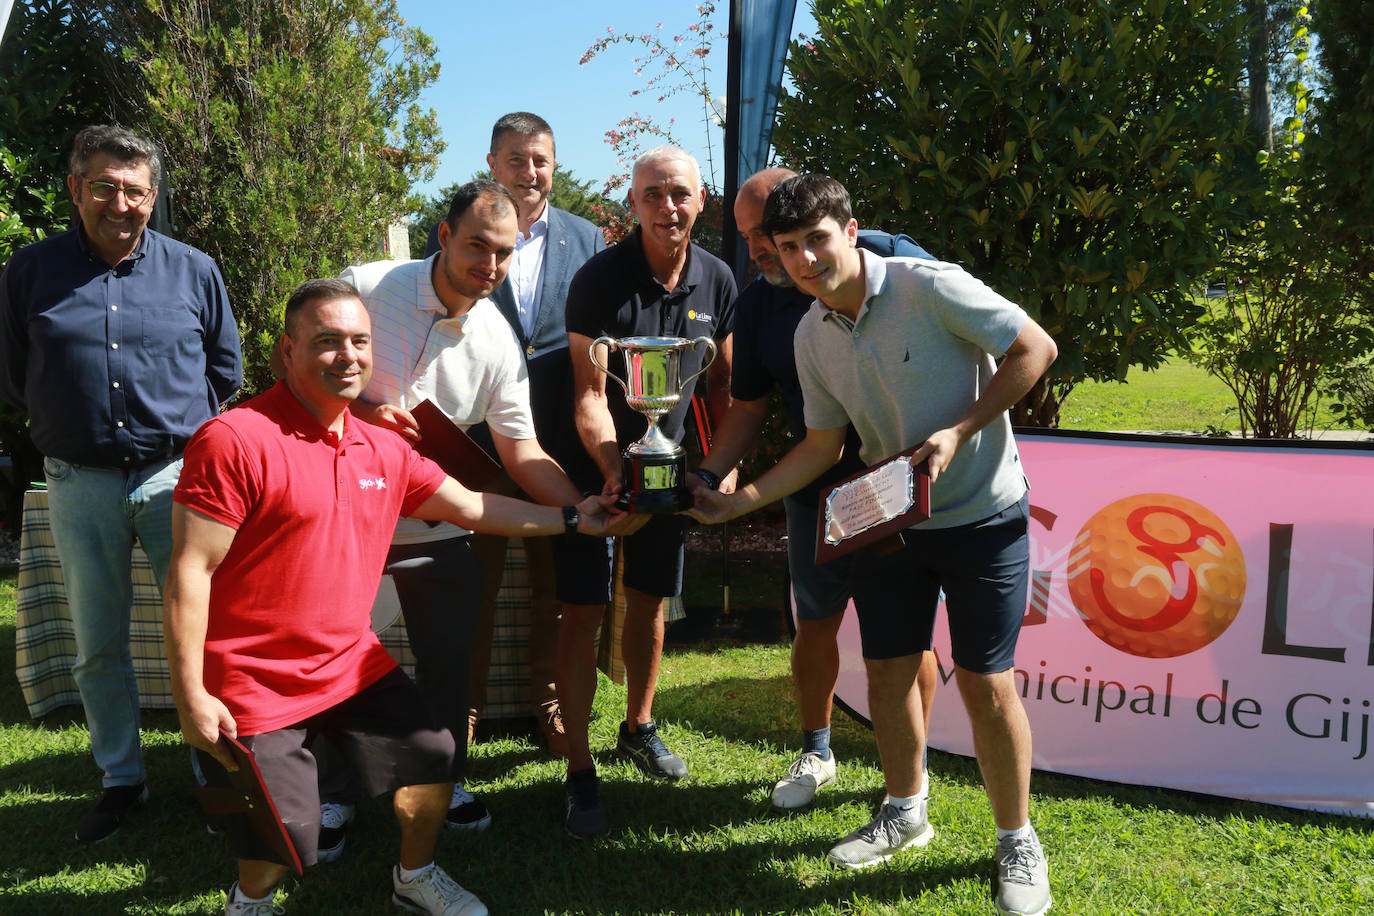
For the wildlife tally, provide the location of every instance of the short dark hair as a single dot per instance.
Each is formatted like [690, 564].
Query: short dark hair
[524, 123]
[805, 200]
[116, 142]
[323, 290]
[474, 191]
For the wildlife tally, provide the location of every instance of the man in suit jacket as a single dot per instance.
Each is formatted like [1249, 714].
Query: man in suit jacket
[551, 245]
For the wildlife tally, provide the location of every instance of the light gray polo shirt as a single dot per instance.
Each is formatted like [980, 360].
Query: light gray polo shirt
[919, 355]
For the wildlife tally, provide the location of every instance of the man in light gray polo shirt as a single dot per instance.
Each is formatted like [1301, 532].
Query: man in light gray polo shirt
[904, 350]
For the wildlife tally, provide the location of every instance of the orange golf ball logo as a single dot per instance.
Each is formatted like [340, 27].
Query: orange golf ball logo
[1156, 575]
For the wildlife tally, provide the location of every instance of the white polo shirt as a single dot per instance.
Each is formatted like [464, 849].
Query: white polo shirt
[470, 367]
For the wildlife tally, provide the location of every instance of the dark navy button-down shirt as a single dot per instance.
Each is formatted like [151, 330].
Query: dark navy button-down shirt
[115, 366]
[766, 319]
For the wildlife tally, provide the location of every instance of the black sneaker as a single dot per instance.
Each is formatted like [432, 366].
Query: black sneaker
[585, 817]
[647, 750]
[101, 822]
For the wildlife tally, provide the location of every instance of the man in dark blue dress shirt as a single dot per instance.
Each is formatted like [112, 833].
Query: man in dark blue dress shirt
[118, 343]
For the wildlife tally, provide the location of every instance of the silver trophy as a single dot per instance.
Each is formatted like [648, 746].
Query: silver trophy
[655, 466]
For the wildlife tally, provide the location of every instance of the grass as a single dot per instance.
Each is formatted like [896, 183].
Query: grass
[1177, 396]
[708, 845]
[711, 844]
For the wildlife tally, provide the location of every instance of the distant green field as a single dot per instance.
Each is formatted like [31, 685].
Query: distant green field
[1178, 396]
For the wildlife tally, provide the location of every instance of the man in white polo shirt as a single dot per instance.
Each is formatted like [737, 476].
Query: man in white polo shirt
[437, 336]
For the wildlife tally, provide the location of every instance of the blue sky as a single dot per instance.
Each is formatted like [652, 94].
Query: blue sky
[497, 58]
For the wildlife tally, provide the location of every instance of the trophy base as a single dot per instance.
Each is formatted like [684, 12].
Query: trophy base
[656, 484]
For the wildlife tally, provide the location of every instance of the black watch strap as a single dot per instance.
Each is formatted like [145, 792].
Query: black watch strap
[571, 518]
[709, 478]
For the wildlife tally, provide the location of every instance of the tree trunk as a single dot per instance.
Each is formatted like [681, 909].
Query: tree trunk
[1040, 406]
[1257, 69]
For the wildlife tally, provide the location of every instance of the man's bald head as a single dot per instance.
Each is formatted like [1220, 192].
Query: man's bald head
[749, 201]
[760, 184]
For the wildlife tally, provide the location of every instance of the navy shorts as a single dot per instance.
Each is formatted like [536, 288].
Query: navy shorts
[384, 731]
[820, 592]
[984, 569]
[653, 562]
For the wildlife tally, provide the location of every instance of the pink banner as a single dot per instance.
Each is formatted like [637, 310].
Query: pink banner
[1201, 617]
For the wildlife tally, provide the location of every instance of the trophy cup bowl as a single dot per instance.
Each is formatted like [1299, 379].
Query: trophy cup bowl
[655, 467]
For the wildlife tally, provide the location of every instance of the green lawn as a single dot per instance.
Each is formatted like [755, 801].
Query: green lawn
[709, 845]
[1176, 397]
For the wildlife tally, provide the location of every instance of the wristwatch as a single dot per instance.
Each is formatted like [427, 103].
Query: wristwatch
[709, 478]
[571, 518]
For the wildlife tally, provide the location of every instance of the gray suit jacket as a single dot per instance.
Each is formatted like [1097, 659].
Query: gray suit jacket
[572, 240]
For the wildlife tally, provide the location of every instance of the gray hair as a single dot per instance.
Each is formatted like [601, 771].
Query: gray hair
[118, 143]
[666, 153]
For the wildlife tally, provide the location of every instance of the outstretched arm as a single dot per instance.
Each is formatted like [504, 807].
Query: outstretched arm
[493, 514]
[806, 461]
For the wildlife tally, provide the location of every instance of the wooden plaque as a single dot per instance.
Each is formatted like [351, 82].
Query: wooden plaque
[247, 794]
[442, 442]
[872, 506]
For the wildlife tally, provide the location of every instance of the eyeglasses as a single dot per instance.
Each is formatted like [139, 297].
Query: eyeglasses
[106, 190]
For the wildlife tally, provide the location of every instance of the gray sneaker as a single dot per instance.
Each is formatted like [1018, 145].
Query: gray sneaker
[1023, 877]
[646, 750]
[883, 837]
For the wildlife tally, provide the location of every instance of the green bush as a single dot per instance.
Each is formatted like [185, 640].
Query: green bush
[1080, 158]
[1294, 319]
[291, 136]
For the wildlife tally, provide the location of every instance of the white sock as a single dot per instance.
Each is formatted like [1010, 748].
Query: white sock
[241, 897]
[410, 874]
[1024, 832]
[925, 785]
[908, 803]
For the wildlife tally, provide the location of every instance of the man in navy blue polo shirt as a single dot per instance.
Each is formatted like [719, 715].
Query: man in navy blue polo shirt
[766, 317]
[654, 282]
[118, 343]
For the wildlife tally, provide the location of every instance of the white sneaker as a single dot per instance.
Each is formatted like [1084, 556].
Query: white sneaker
[806, 775]
[234, 907]
[434, 893]
[466, 812]
[334, 821]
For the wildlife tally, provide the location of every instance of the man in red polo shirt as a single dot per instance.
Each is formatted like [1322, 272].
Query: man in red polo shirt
[283, 517]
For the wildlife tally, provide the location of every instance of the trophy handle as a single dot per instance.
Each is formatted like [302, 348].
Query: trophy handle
[711, 353]
[611, 345]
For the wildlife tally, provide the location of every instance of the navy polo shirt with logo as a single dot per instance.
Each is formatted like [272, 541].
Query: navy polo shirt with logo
[615, 294]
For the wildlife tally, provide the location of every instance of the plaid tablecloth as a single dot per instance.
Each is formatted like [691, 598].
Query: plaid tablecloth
[45, 648]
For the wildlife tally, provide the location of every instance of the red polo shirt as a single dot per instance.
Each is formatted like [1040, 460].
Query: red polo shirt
[290, 605]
